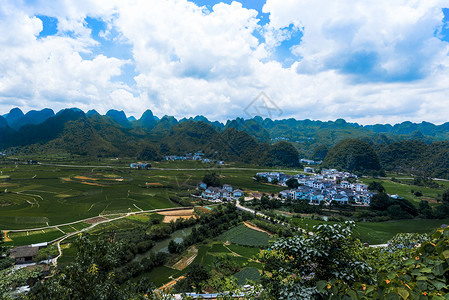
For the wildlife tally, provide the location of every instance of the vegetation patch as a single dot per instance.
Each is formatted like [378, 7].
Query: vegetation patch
[250, 273]
[245, 236]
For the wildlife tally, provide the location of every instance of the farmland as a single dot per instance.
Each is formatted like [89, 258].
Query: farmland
[244, 236]
[35, 196]
[66, 198]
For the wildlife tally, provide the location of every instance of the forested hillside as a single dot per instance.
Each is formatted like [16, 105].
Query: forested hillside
[406, 148]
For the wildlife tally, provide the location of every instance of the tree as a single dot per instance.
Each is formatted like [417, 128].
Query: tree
[292, 183]
[2, 248]
[196, 275]
[174, 247]
[419, 273]
[353, 155]
[376, 186]
[320, 152]
[283, 154]
[90, 276]
[149, 153]
[380, 201]
[212, 179]
[295, 264]
[445, 197]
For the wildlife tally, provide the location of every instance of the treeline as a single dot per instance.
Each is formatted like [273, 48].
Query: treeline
[374, 157]
[211, 225]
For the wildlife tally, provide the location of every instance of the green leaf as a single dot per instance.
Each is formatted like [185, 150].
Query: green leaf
[392, 296]
[353, 295]
[426, 270]
[391, 275]
[422, 285]
[321, 286]
[403, 293]
[421, 278]
[445, 254]
[438, 284]
[438, 270]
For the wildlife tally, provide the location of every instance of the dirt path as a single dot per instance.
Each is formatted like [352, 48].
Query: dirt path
[169, 286]
[185, 261]
[252, 226]
[7, 239]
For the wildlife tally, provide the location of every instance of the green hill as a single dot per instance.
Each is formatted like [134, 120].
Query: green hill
[353, 155]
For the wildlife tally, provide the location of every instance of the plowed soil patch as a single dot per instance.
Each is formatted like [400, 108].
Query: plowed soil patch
[254, 227]
[85, 178]
[154, 184]
[177, 214]
[91, 183]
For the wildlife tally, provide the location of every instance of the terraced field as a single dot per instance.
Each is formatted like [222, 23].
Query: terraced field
[35, 196]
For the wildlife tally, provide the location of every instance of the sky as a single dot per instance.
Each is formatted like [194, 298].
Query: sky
[366, 61]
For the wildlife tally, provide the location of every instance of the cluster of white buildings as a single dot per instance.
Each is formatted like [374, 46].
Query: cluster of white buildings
[219, 194]
[199, 156]
[330, 185]
[140, 165]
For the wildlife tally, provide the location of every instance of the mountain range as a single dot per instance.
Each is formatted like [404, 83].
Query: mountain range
[404, 147]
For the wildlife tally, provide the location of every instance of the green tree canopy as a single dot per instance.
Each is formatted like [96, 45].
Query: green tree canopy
[353, 155]
[196, 276]
[283, 154]
[292, 183]
[212, 179]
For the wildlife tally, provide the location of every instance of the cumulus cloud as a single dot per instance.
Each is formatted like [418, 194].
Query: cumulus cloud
[371, 40]
[367, 62]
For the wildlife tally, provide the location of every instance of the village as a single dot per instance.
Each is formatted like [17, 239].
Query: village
[324, 187]
[198, 156]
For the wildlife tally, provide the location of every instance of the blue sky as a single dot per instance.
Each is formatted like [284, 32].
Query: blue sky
[366, 62]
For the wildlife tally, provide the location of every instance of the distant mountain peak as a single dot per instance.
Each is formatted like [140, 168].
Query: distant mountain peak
[92, 112]
[147, 120]
[119, 117]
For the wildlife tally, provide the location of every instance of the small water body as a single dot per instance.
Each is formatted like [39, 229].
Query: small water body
[162, 246]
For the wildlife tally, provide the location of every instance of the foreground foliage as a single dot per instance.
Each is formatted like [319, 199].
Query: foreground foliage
[331, 264]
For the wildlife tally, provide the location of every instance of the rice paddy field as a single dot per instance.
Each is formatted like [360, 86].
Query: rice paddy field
[39, 196]
[35, 196]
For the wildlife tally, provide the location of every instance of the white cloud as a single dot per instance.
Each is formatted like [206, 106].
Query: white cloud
[396, 37]
[190, 61]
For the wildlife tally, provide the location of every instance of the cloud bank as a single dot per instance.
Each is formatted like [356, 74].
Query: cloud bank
[369, 62]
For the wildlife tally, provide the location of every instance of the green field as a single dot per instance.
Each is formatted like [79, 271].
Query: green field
[380, 232]
[207, 255]
[404, 188]
[250, 273]
[36, 196]
[244, 236]
[33, 237]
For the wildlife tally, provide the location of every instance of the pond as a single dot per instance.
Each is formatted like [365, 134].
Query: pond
[162, 246]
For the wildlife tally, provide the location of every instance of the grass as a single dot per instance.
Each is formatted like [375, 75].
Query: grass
[160, 275]
[218, 248]
[250, 273]
[39, 194]
[404, 189]
[245, 236]
[380, 232]
[377, 233]
[248, 252]
[33, 237]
